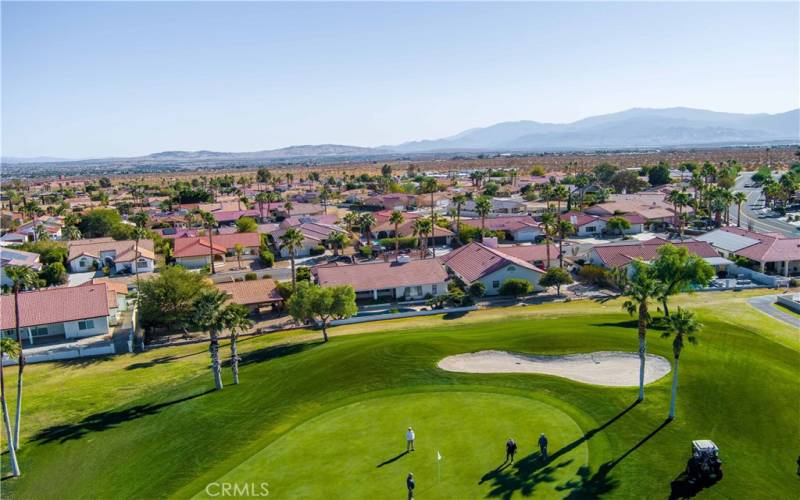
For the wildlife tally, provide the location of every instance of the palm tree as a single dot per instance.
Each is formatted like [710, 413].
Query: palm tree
[22, 278]
[560, 193]
[12, 348]
[209, 316]
[210, 222]
[431, 185]
[564, 229]
[288, 206]
[459, 200]
[684, 326]
[482, 207]
[548, 224]
[292, 240]
[641, 289]
[396, 218]
[272, 197]
[421, 228]
[366, 221]
[238, 248]
[350, 219]
[682, 199]
[237, 320]
[262, 198]
[324, 195]
[338, 240]
[71, 233]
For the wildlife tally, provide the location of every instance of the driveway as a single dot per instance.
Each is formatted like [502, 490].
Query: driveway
[766, 304]
[750, 215]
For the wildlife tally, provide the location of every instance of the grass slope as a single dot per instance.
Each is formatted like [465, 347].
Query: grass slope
[147, 426]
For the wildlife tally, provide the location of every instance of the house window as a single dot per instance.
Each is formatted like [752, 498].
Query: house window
[141, 263]
[419, 290]
[83, 262]
[495, 284]
[86, 325]
[590, 229]
[511, 268]
[435, 288]
[40, 331]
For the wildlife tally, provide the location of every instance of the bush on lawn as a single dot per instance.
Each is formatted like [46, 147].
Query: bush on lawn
[515, 287]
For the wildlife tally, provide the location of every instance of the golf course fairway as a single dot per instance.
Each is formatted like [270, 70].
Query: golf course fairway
[358, 451]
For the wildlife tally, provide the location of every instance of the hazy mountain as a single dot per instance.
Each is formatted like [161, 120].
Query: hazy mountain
[637, 127]
[287, 152]
[33, 159]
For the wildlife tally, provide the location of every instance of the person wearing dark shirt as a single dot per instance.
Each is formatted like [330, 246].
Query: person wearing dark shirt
[410, 485]
[543, 445]
[511, 450]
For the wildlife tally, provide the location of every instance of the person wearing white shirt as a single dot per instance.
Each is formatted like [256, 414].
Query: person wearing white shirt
[410, 440]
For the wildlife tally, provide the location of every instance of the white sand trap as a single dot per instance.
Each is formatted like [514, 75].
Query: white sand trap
[619, 369]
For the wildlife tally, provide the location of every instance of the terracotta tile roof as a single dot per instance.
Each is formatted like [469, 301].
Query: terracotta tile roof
[11, 257]
[251, 292]
[124, 249]
[380, 275]
[55, 305]
[771, 247]
[199, 245]
[476, 260]
[530, 253]
[510, 223]
[621, 253]
[578, 219]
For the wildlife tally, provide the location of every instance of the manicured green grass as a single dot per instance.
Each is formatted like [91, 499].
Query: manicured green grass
[785, 309]
[146, 426]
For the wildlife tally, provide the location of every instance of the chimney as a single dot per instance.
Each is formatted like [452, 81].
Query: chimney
[573, 219]
[490, 242]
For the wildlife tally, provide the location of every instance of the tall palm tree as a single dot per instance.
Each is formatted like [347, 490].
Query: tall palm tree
[288, 206]
[366, 221]
[739, 198]
[237, 320]
[396, 218]
[272, 197]
[292, 240]
[209, 316]
[548, 224]
[431, 185]
[351, 220]
[641, 289]
[459, 200]
[22, 278]
[262, 198]
[483, 206]
[564, 229]
[324, 196]
[238, 248]
[338, 240]
[560, 193]
[12, 348]
[210, 223]
[421, 229]
[684, 326]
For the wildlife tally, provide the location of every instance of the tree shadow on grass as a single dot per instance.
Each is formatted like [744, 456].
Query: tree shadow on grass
[103, 421]
[655, 324]
[393, 459]
[275, 351]
[162, 360]
[681, 488]
[534, 469]
[83, 362]
[454, 315]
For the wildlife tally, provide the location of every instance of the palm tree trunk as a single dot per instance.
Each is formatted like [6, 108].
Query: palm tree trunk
[642, 347]
[483, 226]
[739, 216]
[20, 367]
[547, 248]
[674, 389]
[235, 358]
[136, 263]
[211, 248]
[396, 243]
[433, 228]
[216, 368]
[12, 454]
[294, 278]
[561, 252]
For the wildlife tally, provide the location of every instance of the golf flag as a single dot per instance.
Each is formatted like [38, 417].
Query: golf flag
[438, 455]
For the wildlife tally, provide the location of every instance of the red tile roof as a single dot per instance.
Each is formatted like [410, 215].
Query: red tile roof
[380, 275]
[621, 253]
[772, 247]
[530, 253]
[510, 223]
[475, 260]
[251, 292]
[198, 245]
[55, 305]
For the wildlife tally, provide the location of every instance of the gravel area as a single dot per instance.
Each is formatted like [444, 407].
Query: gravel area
[617, 369]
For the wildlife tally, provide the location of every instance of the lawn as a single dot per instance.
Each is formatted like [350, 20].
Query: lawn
[310, 417]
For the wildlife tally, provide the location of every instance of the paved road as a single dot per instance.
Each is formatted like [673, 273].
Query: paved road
[765, 304]
[750, 217]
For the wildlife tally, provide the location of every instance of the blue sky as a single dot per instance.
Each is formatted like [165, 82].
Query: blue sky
[102, 79]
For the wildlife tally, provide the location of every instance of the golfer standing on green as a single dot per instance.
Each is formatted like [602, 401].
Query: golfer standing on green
[543, 446]
[410, 439]
[410, 485]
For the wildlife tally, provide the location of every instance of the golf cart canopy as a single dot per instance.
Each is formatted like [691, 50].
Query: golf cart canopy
[704, 445]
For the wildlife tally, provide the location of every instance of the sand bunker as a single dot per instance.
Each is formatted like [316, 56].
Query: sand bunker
[619, 369]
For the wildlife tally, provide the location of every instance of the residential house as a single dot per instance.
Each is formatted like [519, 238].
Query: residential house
[254, 294]
[532, 254]
[11, 257]
[587, 225]
[477, 262]
[774, 253]
[49, 225]
[402, 280]
[500, 206]
[120, 256]
[195, 252]
[314, 235]
[391, 201]
[622, 253]
[56, 314]
[518, 228]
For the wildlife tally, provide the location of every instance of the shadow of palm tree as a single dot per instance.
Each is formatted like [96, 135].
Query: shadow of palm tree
[535, 469]
[160, 361]
[454, 315]
[102, 421]
[276, 351]
[83, 361]
[654, 324]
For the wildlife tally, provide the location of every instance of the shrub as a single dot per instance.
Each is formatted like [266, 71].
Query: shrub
[318, 250]
[477, 289]
[266, 257]
[250, 276]
[365, 251]
[406, 242]
[303, 274]
[594, 274]
[556, 276]
[515, 287]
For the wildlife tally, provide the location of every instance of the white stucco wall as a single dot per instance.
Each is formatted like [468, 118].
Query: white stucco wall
[71, 330]
[506, 273]
[193, 262]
